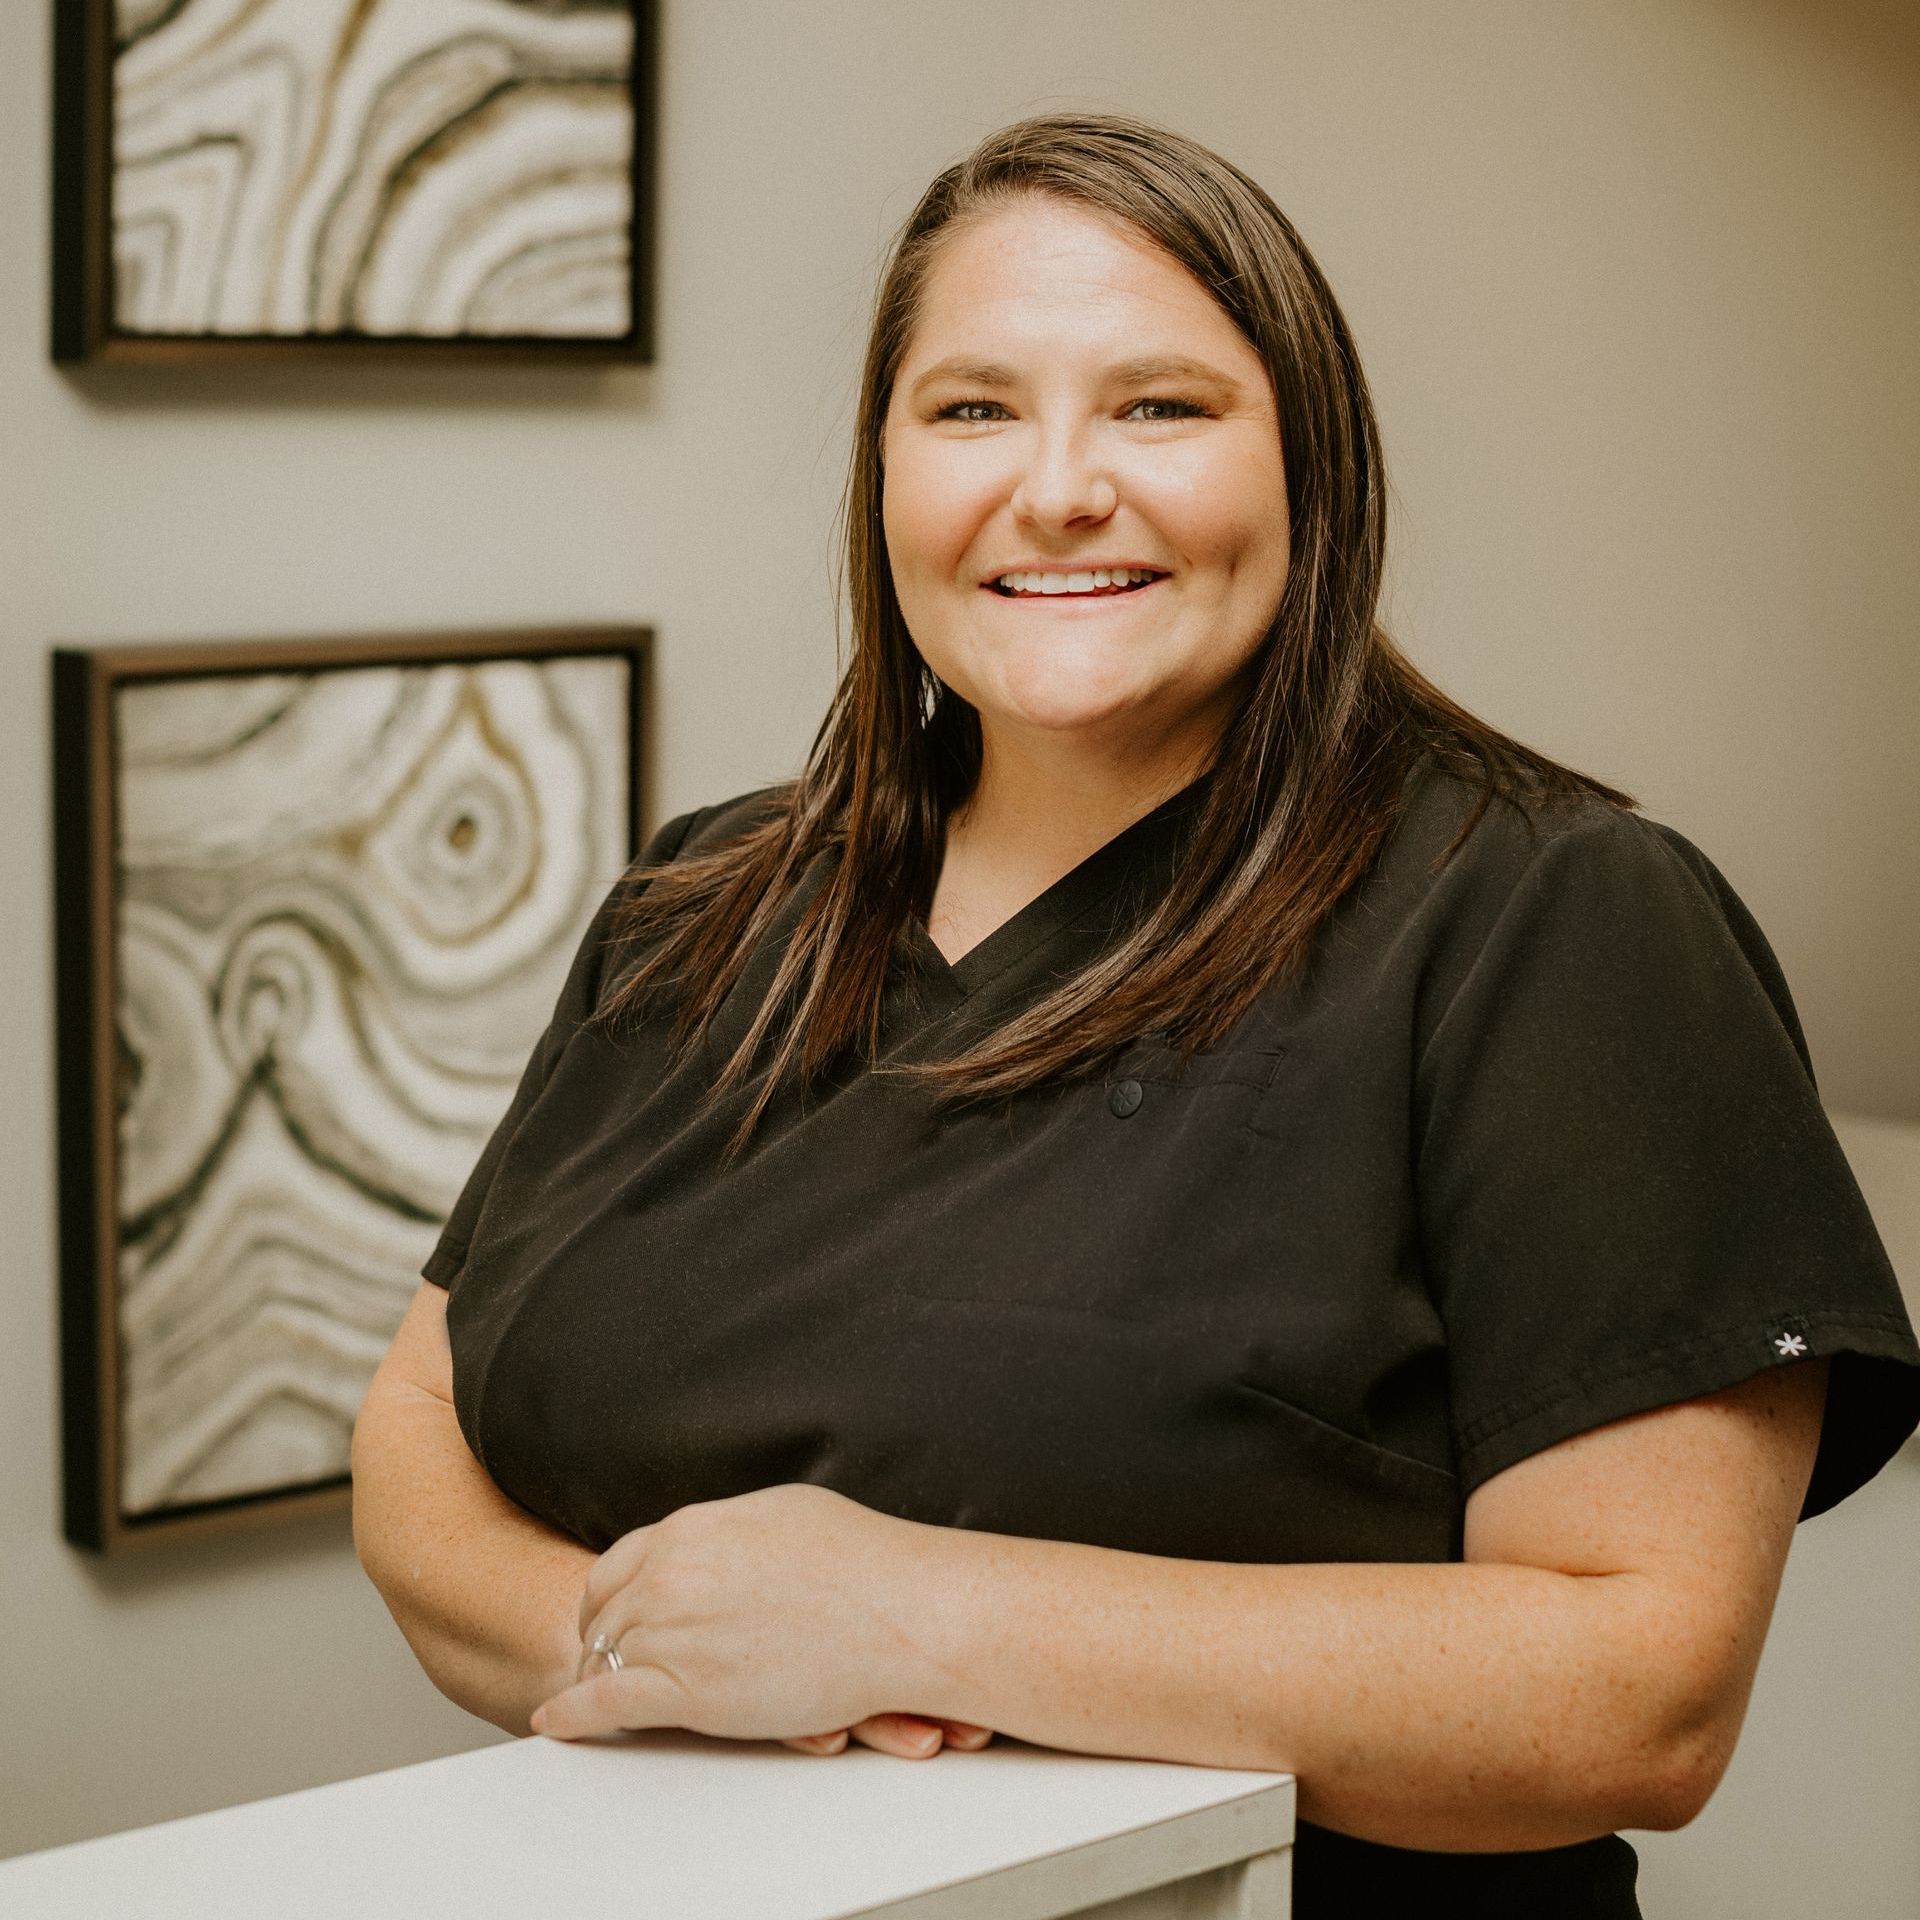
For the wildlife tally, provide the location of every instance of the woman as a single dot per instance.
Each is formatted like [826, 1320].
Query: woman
[1175, 1194]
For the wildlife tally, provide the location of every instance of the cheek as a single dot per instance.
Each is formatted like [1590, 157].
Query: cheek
[925, 542]
[1219, 508]
[926, 508]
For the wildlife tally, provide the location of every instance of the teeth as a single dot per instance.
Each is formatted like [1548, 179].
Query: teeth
[1074, 582]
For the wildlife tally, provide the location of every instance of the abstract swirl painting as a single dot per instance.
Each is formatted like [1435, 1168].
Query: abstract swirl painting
[364, 169]
[343, 901]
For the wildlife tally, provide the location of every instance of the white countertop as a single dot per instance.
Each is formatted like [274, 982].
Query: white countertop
[668, 1823]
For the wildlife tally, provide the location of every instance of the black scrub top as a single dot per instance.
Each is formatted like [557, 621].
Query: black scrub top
[1531, 1144]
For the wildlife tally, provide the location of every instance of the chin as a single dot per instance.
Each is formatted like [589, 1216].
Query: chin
[1060, 717]
[1061, 695]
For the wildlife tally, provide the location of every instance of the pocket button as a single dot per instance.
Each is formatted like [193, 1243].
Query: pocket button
[1124, 1097]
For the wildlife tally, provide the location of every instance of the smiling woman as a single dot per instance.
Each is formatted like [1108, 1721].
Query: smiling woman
[1175, 1193]
[1125, 423]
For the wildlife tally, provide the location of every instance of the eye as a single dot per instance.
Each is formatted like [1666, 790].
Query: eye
[1184, 409]
[954, 409]
[1177, 409]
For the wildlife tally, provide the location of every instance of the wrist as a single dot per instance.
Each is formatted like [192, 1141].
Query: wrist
[930, 1601]
[555, 1663]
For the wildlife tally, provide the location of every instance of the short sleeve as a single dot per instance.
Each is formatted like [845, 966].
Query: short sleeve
[576, 1002]
[1629, 1192]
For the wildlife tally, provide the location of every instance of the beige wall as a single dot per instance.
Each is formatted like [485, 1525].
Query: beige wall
[1634, 281]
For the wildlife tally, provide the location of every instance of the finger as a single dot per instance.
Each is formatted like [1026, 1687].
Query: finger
[818, 1742]
[611, 1572]
[905, 1735]
[600, 1649]
[620, 1623]
[965, 1735]
[608, 1703]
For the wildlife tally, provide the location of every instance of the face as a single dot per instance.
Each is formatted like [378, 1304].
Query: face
[1074, 399]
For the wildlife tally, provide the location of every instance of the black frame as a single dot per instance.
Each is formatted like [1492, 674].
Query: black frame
[85, 681]
[83, 327]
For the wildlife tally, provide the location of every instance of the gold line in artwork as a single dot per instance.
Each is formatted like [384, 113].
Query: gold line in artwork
[480, 213]
[468, 703]
[243, 151]
[223, 1314]
[350, 841]
[160, 1223]
[232, 743]
[265, 59]
[169, 259]
[477, 122]
[351, 32]
[571, 259]
[243, 14]
[164, 15]
[447, 80]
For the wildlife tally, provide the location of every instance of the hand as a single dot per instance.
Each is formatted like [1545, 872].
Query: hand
[766, 1616]
[904, 1734]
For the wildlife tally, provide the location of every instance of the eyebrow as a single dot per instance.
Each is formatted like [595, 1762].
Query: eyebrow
[1122, 373]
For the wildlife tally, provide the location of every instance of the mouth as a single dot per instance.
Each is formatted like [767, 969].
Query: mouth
[1084, 597]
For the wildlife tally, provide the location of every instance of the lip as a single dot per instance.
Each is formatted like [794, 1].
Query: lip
[1071, 602]
[1078, 566]
[1074, 602]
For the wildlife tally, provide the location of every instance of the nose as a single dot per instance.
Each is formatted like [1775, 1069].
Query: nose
[1062, 482]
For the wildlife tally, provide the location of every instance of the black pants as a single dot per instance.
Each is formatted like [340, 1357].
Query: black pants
[1336, 1877]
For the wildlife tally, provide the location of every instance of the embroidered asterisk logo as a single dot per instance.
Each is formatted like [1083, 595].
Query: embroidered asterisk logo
[1789, 1346]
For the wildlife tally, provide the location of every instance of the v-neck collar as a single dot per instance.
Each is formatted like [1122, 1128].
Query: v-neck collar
[1069, 899]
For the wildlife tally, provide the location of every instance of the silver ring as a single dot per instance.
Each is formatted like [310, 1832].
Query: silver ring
[603, 1648]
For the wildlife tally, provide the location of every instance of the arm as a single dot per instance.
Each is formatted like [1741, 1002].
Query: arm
[486, 1595]
[1587, 1667]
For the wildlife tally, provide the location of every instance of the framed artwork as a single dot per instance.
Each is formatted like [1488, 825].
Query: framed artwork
[248, 178]
[314, 902]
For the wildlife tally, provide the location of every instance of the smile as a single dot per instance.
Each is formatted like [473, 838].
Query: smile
[1081, 597]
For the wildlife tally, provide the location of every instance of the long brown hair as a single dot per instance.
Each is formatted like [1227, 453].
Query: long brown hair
[1306, 779]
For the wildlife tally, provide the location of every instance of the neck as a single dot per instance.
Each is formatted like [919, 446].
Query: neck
[1044, 808]
[1041, 806]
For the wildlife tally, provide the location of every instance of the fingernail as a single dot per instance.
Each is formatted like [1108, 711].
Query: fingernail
[923, 1742]
[970, 1741]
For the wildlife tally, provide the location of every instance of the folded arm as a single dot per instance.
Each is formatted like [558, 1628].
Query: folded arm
[1587, 1667]
[486, 1595]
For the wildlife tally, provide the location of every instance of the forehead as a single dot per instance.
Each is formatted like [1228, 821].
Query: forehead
[1045, 274]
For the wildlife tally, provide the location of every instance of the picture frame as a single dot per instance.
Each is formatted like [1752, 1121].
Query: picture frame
[314, 901]
[326, 179]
